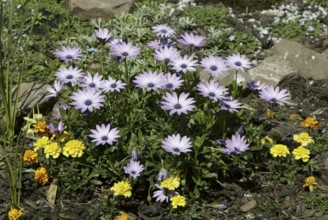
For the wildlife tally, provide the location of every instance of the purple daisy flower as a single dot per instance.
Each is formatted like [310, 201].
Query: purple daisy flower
[238, 62]
[104, 135]
[71, 75]
[68, 53]
[158, 44]
[166, 54]
[149, 80]
[162, 30]
[162, 175]
[134, 155]
[112, 85]
[161, 194]
[236, 144]
[125, 50]
[87, 99]
[214, 65]
[103, 35]
[255, 86]
[176, 145]
[133, 168]
[56, 109]
[274, 95]
[56, 90]
[231, 105]
[192, 40]
[92, 82]
[57, 129]
[212, 90]
[178, 104]
[171, 81]
[184, 64]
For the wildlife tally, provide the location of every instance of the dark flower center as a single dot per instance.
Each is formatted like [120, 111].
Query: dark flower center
[238, 63]
[191, 45]
[125, 54]
[92, 85]
[213, 68]
[167, 60]
[114, 85]
[150, 85]
[88, 102]
[69, 57]
[273, 100]
[212, 94]
[177, 106]
[163, 31]
[183, 66]
[104, 138]
[176, 149]
[69, 77]
[133, 172]
[169, 85]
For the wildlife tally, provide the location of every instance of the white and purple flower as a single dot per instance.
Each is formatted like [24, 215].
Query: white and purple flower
[166, 54]
[184, 64]
[236, 144]
[124, 50]
[103, 35]
[112, 85]
[212, 90]
[133, 168]
[68, 54]
[176, 145]
[162, 30]
[71, 75]
[274, 95]
[104, 134]
[87, 99]
[178, 104]
[56, 90]
[92, 82]
[238, 62]
[171, 81]
[214, 65]
[149, 80]
[192, 40]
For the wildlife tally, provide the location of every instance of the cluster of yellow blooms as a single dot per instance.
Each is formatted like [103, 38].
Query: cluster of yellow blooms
[310, 122]
[311, 183]
[172, 183]
[15, 214]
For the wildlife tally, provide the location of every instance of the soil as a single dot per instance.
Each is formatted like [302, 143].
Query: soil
[252, 198]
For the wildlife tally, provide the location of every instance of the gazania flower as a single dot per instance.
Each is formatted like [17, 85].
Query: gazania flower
[161, 194]
[133, 168]
[71, 75]
[56, 90]
[171, 183]
[41, 176]
[301, 153]
[15, 214]
[191, 40]
[171, 81]
[212, 90]
[311, 183]
[230, 105]
[236, 144]
[238, 62]
[162, 30]
[274, 95]
[122, 188]
[30, 156]
[184, 64]
[104, 135]
[92, 82]
[112, 85]
[279, 150]
[125, 50]
[176, 145]
[178, 200]
[52, 149]
[255, 86]
[178, 104]
[303, 138]
[102, 34]
[68, 54]
[87, 99]
[149, 80]
[166, 54]
[73, 148]
[310, 122]
[214, 65]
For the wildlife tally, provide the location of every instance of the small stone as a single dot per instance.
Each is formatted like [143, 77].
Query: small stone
[248, 206]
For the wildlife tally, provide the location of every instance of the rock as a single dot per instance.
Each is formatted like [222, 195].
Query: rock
[325, 53]
[248, 206]
[99, 8]
[288, 57]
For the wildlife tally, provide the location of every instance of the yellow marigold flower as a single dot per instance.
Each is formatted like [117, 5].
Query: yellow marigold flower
[122, 216]
[30, 156]
[41, 176]
[310, 122]
[171, 183]
[178, 200]
[270, 114]
[301, 153]
[15, 214]
[279, 150]
[40, 126]
[266, 139]
[122, 188]
[303, 138]
[73, 148]
[310, 182]
[41, 143]
[53, 150]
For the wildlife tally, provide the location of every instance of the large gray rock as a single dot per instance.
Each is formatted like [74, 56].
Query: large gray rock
[288, 57]
[99, 8]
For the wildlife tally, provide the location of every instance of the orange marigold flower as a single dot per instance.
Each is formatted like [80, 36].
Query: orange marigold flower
[40, 126]
[310, 182]
[293, 117]
[310, 122]
[30, 156]
[41, 176]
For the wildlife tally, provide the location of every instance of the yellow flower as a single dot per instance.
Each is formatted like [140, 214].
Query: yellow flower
[301, 153]
[310, 122]
[293, 117]
[41, 176]
[122, 188]
[30, 156]
[310, 182]
[40, 126]
[15, 214]
[171, 183]
[279, 150]
[266, 139]
[122, 216]
[41, 143]
[73, 148]
[270, 114]
[303, 138]
[53, 150]
[178, 200]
